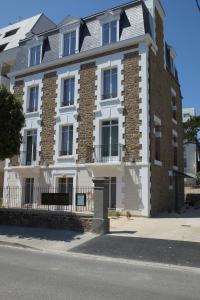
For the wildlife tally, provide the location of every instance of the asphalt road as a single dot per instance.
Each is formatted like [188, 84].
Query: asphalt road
[143, 249]
[27, 275]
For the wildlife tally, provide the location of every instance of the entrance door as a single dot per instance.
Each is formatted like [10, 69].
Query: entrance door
[29, 185]
[109, 185]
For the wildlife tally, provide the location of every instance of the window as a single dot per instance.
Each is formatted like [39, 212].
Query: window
[31, 147]
[33, 99]
[157, 139]
[11, 32]
[67, 140]
[174, 108]
[109, 147]
[68, 92]
[69, 42]
[175, 150]
[109, 84]
[109, 33]
[35, 55]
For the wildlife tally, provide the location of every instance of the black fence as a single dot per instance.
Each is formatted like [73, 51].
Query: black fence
[70, 199]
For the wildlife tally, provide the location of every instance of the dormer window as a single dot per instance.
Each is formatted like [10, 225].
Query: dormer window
[69, 43]
[35, 56]
[110, 23]
[109, 33]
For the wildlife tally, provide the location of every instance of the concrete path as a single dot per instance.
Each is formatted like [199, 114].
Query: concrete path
[48, 240]
[183, 227]
[31, 275]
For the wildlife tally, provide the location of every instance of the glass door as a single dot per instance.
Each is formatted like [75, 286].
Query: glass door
[31, 147]
[109, 147]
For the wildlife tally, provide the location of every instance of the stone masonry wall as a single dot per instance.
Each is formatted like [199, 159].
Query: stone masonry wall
[48, 117]
[86, 114]
[131, 106]
[161, 82]
[46, 219]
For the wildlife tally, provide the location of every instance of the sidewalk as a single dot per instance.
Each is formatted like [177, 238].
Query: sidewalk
[48, 240]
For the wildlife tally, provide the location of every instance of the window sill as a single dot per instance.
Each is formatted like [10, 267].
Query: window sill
[32, 114]
[158, 163]
[64, 157]
[175, 168]
[174, 121]
[111, 101]
[67, 108]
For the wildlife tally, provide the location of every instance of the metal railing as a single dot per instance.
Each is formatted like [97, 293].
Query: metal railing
[108, 153]
[76, 199]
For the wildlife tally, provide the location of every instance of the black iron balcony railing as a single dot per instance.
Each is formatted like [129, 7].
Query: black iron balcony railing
[107, 153]
[65, 152]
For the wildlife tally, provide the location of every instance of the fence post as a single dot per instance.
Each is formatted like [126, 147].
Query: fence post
[100, 223]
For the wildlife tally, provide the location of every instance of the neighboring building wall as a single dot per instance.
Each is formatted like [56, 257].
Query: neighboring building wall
[161, 83]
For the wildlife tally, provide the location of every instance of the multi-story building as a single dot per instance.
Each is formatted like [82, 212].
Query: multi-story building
[10, 37]
[102, 99]
[191, 151]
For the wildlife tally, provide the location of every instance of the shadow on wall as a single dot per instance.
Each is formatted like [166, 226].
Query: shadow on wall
[133, 191]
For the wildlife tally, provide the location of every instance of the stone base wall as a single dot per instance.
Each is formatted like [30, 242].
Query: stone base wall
[46, 219]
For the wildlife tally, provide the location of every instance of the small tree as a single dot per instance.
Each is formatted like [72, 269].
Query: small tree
[191, 130]
[11, 122]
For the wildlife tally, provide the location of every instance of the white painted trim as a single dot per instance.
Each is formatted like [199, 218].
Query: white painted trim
[109, 17]
[144, 117]
[66, 115]
[173, 92]
[157, 120]
[109, 109]
[175, 133]
[39, 43]
[158, 163]
[174, 121]
[67, 29]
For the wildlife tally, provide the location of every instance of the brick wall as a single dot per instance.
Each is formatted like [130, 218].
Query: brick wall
[131, 106]
[86, 114]
[48, 117]
[161, 82]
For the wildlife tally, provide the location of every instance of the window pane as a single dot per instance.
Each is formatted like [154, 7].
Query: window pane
[106, 34]
[73, 42]
[64, 140]
[114, 83]
[106, 84]
[66, 44]
[66, 92]
[72, 87]
[113, 29]
[114, 140]
[37, 60]
[62, 184]
[70, 140]
[105, 141]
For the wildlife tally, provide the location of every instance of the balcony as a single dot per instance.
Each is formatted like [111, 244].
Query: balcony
[26, 158]
[107, 153]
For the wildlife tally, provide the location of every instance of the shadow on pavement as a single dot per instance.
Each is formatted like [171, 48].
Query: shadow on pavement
[57, 235]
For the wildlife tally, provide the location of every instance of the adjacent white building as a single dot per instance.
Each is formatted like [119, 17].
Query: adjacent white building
[190, 151]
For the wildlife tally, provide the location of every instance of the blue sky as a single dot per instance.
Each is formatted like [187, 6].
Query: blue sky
[182, 31]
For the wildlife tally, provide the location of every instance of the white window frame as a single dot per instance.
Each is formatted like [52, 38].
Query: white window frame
[102, 83]
[28, 99]
[67, 29]
[29, 54]
[62, 91]
[108, 17]
[60, 142]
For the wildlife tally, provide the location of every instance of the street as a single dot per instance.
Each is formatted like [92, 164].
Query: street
[34, 275]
